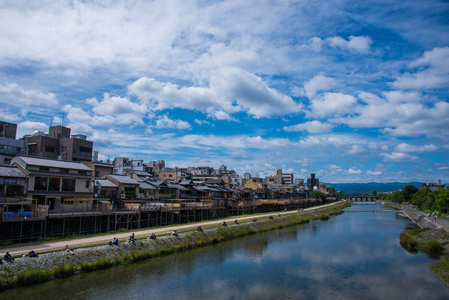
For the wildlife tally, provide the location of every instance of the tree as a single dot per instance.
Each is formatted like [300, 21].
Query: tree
[409, 191]
[318, 194]
[443, 201]
[420, 198]
[398, 197]
[374, 193]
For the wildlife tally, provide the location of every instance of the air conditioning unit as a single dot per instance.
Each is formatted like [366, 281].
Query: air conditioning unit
[123, 196]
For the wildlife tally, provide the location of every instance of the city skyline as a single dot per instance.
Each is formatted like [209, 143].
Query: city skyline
[353, 91]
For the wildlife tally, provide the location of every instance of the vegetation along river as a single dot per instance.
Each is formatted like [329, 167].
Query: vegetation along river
[355, 255]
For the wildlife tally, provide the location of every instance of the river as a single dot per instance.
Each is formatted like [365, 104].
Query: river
[355, 255]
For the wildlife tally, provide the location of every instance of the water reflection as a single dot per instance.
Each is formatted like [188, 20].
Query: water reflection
[351, 256]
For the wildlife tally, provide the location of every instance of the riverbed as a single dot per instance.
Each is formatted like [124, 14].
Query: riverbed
[351, 256]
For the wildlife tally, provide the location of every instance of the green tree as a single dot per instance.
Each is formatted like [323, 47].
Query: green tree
[318, 194]
[420, 198]
[443, 201]
[398, 197]
[409, 191]
[374, 193]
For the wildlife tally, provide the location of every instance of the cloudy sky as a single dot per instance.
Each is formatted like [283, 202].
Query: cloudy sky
[356, 91]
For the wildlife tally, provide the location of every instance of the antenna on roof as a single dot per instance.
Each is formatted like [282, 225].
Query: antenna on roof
[63, 115]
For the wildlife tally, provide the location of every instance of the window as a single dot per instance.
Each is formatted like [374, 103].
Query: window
[40, 183]
[68, 185]
[50, 149]
[64, 170]
[87, 184]
[44, 169]
[84, 151]
[54, 184]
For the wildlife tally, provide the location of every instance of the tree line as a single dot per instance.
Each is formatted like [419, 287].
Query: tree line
[425, 199]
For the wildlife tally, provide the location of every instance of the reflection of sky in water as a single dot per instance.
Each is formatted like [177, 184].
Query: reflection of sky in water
[351, 256]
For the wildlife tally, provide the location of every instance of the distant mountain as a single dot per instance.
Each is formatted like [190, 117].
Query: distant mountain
[367, 188]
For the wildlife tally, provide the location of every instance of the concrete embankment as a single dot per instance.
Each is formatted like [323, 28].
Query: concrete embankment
[61, 264]
[420, 219]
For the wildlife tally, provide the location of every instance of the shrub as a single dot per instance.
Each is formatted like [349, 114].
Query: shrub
[408, 241]
[324, 217]
[432, 247]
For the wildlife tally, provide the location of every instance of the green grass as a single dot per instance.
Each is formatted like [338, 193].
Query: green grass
[441, 269]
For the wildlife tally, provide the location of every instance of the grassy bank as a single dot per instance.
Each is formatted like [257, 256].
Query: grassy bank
[62, 264]
[432, 242]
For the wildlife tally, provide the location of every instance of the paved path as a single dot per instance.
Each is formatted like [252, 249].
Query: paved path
[86, 242]
[443, 222]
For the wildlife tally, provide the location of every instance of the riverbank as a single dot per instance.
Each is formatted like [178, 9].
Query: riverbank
[432, 238]
[62, 264]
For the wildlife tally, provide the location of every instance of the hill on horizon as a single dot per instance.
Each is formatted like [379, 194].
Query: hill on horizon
[367, 188]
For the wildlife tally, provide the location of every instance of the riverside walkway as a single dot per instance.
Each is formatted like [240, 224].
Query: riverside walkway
[53, 246]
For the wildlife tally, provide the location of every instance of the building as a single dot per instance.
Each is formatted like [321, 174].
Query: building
[170, 174]
[59, 144]
[12, 181]
[128, 188]
[255, 184]
[312, 182]
[277, 177]
[61, 185]
[9, 146]
[8, 130]
[299, 182]
[99, 169]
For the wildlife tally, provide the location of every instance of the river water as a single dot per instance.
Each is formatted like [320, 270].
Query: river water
[355, 255]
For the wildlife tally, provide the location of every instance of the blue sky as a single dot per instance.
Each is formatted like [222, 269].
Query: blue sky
[357, 90]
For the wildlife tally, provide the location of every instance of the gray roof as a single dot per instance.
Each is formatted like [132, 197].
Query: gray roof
[142, 173]
[11, 172]
[177, 186]
[105, 183]
[146, 186]
[52, 163]
[123, 179]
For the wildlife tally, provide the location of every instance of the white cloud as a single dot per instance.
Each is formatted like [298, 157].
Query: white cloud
[360, 44]
[433, 71]
[14, 94]
[354, 170]
[357, 150]
[201, 122]
[7, 116]
[28, 127]
[231, 90]
[311, 127]
[166, 122]
[319, 83]
[403, 147]
[398, 157]
[333, 104]
[373, 173]
[303, 162]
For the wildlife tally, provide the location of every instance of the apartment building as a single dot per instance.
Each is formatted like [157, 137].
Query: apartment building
[61, 185]
[59, 144]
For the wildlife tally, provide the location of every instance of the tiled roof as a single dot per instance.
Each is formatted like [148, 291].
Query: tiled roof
[11, 172]
[146, 186]
[105, 183]
[52, 163]
[123, 179]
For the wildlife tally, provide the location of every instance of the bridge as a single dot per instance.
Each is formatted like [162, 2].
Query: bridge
[360, 198]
